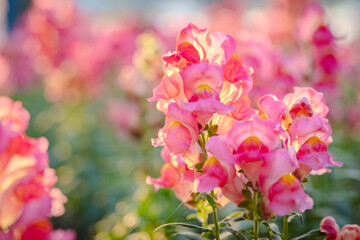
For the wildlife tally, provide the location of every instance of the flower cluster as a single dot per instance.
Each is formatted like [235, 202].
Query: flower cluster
[27, 193]
[213, 140]
[349, 232]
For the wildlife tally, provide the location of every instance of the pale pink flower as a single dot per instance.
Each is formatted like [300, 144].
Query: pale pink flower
[350, 232]
[287, 195]
[272, 107]
[215, 174]
[233, 188]
[202, 85]
[27, 193]
[303, 129]
[170, 89]
[170, 176]
[24, 180]
[306, 101]
[314, 154]
[180, 130]
[329, 226]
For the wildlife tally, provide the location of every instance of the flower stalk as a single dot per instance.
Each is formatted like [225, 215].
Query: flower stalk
[256, 219]
[286, 223]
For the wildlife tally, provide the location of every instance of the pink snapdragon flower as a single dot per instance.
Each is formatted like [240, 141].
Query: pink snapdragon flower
[40, 230]
[306, 101]
[27, 185]
[215, 175]
[205, 78]
[351, 232]
[329, 226]
[180, 131]
[302, 113]
[287, 194]
[192, 46]
[229, 147]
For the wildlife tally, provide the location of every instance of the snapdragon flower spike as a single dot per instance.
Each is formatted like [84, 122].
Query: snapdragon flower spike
[202, 67]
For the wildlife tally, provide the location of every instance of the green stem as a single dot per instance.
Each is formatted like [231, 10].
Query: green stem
[216, 223]
[256, 221]
[285, 227]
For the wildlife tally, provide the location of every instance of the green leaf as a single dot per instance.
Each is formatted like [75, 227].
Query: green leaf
[305, 180]
[203, 229]
[187, 236]
[200, 195]
[235, 233]
[273, 228]
[244, 204]
[249, 215]
[234, 219]
[311, 235]
[247, 194]
[191, 216]
[224, 224]
[295, 214]
[199, 165]
[211, 201]
[212, 130]
[206, 235]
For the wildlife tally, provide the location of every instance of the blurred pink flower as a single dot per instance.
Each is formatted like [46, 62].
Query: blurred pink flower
[329, 226]
[27, 185]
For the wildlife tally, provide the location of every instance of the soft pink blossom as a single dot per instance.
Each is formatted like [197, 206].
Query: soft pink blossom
[287, 195]
[350, 232]
[180, 130]
[310, 101]
[215, 175]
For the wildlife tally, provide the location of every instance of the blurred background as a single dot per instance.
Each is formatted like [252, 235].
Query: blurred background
[84, 69]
